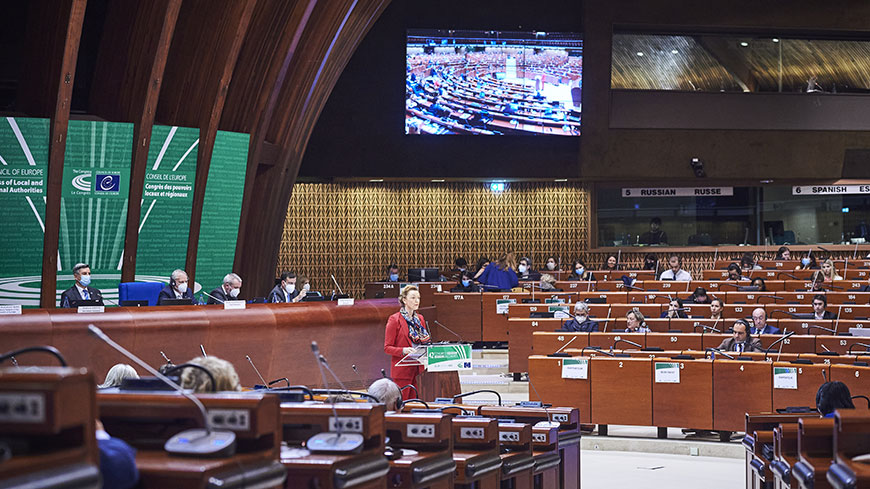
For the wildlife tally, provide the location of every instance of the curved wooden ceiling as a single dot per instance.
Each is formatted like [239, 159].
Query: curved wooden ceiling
[264, 67]
[717, 63]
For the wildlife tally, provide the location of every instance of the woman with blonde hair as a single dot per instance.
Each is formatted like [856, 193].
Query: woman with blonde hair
[117, 374]
[829, 271]
[636, 322]
[222, 372]
[405, 331]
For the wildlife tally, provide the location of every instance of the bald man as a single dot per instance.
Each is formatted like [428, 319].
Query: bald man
[759, 323]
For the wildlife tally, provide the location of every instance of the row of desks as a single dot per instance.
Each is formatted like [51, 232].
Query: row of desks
[485, 316]
[804, 451]
[689, 393]
[697, 311]
[495, 447]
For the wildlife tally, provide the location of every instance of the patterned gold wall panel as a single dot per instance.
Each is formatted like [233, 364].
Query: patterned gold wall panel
[354, 230]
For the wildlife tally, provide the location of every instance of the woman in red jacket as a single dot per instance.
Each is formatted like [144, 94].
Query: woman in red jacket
[405, 330]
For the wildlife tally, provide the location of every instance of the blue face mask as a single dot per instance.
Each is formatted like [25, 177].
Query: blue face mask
[466, 283]
[85, 280]
[394, 277]
[805, 261]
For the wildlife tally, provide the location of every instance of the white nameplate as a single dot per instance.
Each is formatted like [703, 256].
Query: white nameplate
[10, 309]
[678, 192]
[831, 190]
[91, 309]
[575, 368]
[234, 304]
[346, 302]
[667, 373]
[785, 378]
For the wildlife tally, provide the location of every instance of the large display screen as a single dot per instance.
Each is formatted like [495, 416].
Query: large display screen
[493, 82]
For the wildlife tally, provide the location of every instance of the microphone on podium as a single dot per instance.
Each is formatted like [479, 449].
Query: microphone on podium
[257, 371]
[211, 296]
[363, 384]
[331, 441]
[454, 333]
[198, 442]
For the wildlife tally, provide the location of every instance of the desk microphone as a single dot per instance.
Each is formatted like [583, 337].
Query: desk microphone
[358, 376]
[454, 333]
[257, 371]
[559, 351]
[336, 283]
[384, 374]
[332, 441]
[815, 326]
[719, 351]
[853, 345]
[621, 340]
[211, 296]
[780, 340]
[774, 297]
[202, 349]
[47, 349]
[793, 315]
[597, 349]
[197, 442]
[787, 275]
[541, 424]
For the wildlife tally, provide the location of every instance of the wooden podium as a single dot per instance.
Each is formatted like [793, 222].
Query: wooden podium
[438, 384]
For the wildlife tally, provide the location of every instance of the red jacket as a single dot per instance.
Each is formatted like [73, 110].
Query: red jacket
[396, 338]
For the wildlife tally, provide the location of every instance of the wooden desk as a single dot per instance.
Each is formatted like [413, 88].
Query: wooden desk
[758, 433]
[494, 326]
[785, 455]
[851, 438]
[382, 290]
[147, 420]
[54, 435]
[430, 436]
[809, 378]
[546, 373]
[518, 464]
[740, 387]
[815, 452]
[367, 469]
[476, 452]
[613, 381]
[521, 332]
[681, 404]
[545, 451]
[460, 312]
[856, 378]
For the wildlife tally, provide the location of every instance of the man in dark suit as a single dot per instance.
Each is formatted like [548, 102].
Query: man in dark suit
[286, 291]
[228, 291]
[820, 302]
[742, 340]
[760, 326]
[580, 322]
[81, 290]
[177, 288]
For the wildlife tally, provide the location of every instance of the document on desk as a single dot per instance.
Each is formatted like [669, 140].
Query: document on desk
[785, 378]
[502, 305]
[667, 372]
[575, 368]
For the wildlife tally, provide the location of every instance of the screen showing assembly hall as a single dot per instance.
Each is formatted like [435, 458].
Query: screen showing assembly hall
[493, 82]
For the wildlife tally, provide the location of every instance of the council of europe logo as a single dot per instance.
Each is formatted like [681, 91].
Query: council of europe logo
[108, 183]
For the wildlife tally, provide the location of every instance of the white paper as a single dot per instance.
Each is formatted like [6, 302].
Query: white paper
[575, 368]
[91, 309]
[346, 302]
[502, 305]
[667, 372]
[234, 304]
[785, 378]
[10, 309]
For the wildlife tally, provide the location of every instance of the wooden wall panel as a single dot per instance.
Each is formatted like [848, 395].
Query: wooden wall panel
[354, 230]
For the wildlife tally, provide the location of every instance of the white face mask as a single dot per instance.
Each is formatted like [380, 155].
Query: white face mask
[523, 268]
[234, 292]
[290, 288]
[306, 287]
[551, 266]
[181, 288]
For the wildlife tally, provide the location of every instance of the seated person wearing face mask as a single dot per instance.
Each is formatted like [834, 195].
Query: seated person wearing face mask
[393, 273]
[305, 287]
[82, 289]
[466, 284]
[524, 270]
[285, 291]
[580, 322]
[552, 264]
[228, 291]
[177, 288]
[580, 272]
[459, 265]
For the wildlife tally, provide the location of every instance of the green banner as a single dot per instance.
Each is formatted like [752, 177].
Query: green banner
[448, 358]
[93, 206]
[23, 176]
[167, 196]
[222, 206]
